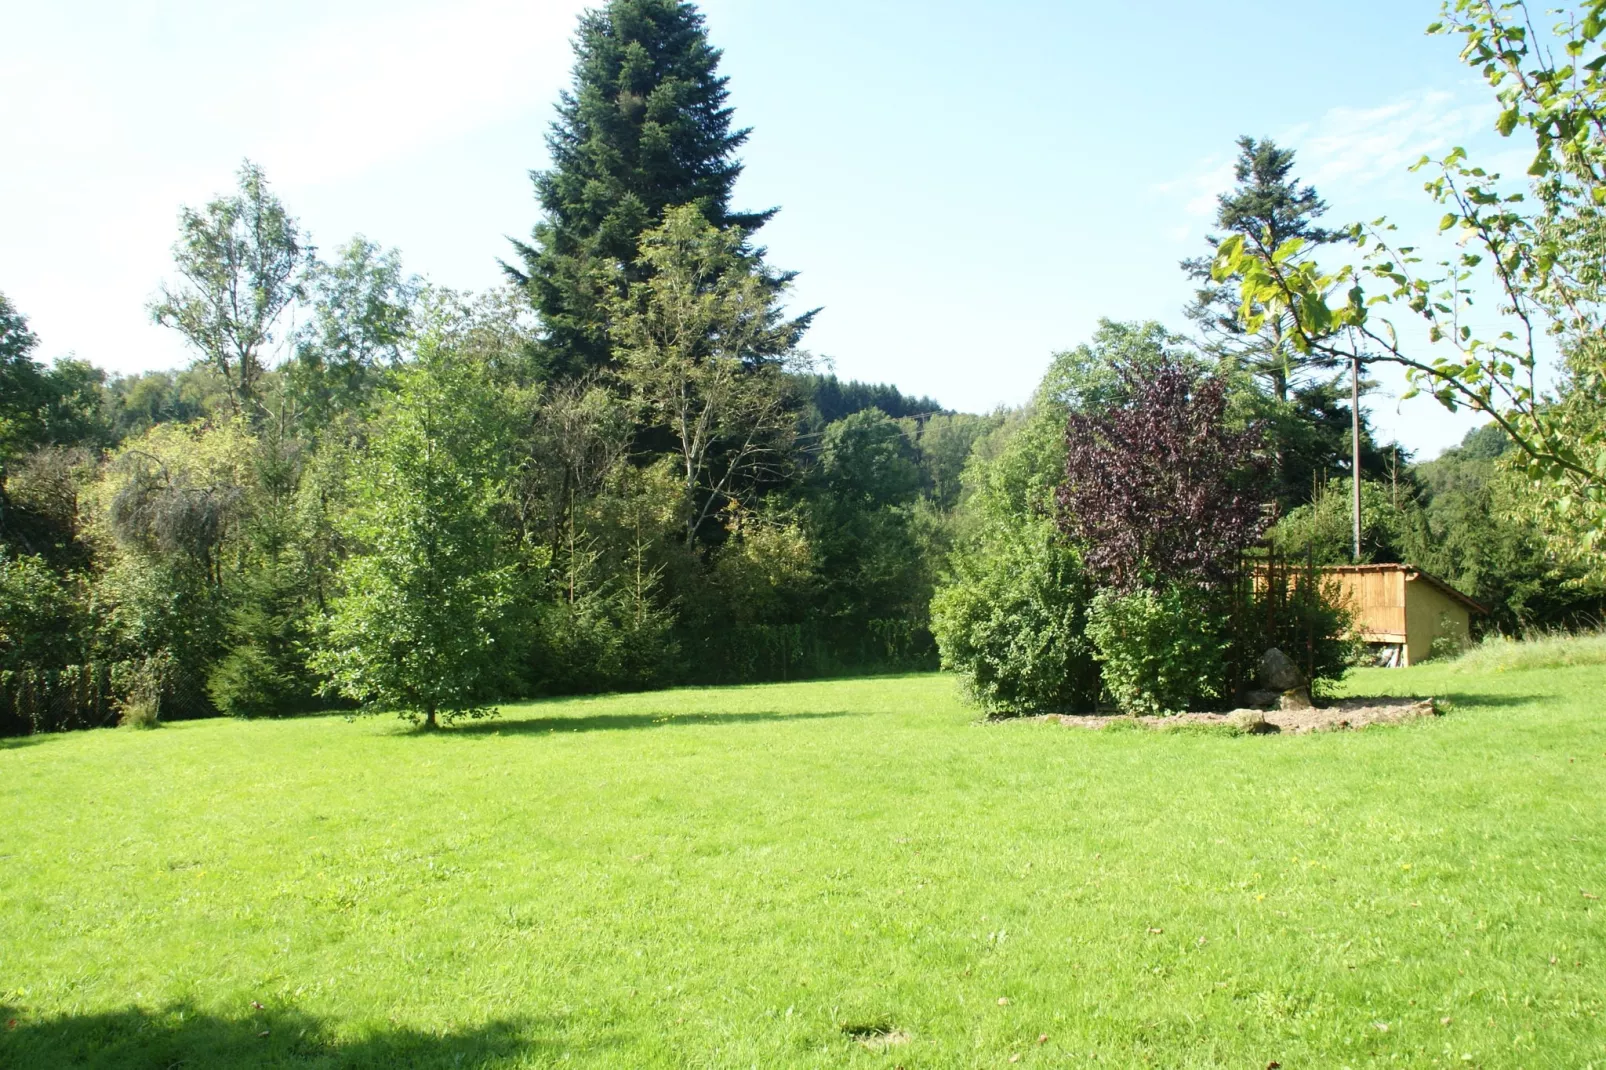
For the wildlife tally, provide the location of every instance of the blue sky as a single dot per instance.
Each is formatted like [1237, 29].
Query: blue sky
[965, 188]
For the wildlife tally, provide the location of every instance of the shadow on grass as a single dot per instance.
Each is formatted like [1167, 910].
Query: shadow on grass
[1465, 700]
[611, 722]
[18, 742]
[1469, 700]
[181, 1036]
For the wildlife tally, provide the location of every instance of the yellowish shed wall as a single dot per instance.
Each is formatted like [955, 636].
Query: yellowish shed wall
[1425, 607]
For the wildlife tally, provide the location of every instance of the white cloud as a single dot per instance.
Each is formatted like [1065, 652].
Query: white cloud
[1352, 155]
[363, 92]
[114, 120]
[1196, 192]
[1354, 147]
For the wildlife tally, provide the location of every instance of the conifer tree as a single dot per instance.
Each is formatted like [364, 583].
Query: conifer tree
[1267, 205]
[645, 127]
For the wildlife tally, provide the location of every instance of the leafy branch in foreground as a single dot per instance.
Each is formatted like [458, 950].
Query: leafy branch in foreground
[1540, 251]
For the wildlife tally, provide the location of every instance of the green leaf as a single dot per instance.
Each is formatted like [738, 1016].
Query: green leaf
[1507, 122]
[1447, 222]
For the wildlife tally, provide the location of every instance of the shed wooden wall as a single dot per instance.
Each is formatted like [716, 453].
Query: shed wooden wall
[1378, 601]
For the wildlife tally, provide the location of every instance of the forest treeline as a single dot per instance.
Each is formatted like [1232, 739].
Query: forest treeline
[622, 470]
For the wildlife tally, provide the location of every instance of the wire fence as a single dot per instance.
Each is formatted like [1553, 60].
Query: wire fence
[96, 695]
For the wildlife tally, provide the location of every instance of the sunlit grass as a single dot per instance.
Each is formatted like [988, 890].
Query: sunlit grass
[1543, 650]
[850, 873]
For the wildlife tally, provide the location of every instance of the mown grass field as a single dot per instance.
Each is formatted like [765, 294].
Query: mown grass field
[827, 874]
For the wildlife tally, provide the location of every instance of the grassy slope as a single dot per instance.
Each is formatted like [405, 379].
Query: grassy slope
[726, 878]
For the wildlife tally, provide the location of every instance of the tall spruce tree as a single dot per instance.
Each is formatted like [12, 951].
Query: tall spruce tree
[1267, 206]
[644, 128]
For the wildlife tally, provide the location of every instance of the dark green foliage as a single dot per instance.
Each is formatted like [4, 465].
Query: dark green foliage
[163, 604]
[1321, 533]
[1308, 438]
[1010, 617]
[63, 405]
[875, 579]
[249, 682]
[1289, 605]
[44, 616]
[22, 387]
[645, 127]
[140, 402]
[703, 346]
[1486, 443]
[43, 512]
[265, 670]
[866, 459]
[1475, 535]
[945, 442]
[604, 641]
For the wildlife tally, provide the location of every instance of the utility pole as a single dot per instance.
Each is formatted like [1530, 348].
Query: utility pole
[1355, 449]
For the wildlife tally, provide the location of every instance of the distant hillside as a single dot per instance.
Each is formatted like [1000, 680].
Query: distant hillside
[831, 399]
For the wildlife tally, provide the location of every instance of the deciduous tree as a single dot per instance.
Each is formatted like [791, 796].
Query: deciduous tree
[424, 623]
[702, 345]
[1158, 488]
[242, 261]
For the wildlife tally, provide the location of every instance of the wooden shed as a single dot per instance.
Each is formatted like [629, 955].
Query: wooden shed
[1401, 610]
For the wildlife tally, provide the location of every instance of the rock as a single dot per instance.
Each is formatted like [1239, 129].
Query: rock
[1296, 698]
[1278, 673]
[1263, 700]
[1251, 722]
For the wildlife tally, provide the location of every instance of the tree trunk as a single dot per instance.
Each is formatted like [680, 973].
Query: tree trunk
[430, 724]
[1355, 452]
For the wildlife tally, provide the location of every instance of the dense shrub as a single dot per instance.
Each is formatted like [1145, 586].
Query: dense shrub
[607, 641]
[1010, 623]
[1010, 616]
[42, 615]
[1162, 651]
[1393, 528]
[142, 685]
[1292, 608]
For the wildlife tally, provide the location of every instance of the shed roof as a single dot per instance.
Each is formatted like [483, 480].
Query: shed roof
[1413, 573]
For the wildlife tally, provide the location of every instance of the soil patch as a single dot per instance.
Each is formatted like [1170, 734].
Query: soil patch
[877, 1036]
[1349, 713]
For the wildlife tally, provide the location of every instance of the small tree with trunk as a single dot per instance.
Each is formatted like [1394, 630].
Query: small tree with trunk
[425, 623]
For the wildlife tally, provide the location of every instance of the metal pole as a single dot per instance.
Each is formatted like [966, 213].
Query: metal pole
[1355, 450]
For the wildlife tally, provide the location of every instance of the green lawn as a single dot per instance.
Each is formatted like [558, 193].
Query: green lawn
[744, 877]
